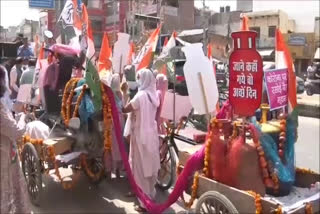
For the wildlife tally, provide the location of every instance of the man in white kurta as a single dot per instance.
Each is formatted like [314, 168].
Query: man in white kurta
[144, 154]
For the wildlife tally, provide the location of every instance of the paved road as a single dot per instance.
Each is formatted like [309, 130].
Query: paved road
[307, 146]
[109, 197]
[309, 100]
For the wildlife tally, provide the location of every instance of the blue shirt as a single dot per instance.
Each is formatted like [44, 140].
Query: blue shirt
[25, 51]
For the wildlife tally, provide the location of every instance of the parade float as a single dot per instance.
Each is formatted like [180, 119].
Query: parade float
[244, 166]
[75, 113]
[247, 166]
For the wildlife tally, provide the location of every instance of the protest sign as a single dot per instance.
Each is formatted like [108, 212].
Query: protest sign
[277, 87]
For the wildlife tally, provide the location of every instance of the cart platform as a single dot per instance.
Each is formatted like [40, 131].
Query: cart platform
[244, 202]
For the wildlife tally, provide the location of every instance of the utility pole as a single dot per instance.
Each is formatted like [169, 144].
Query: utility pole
[114, 21]
[204, 27]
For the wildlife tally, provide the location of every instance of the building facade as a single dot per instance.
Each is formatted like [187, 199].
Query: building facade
[302, 48]
[105, 16]
[145, 15]
[265, 24]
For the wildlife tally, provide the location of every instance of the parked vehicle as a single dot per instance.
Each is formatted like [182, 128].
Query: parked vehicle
[222, 74]
[300, 85]
[312, 84]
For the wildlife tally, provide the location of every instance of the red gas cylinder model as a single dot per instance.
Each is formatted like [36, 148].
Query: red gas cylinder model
[246, 74]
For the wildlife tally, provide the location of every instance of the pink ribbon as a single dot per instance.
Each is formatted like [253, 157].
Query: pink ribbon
[195, 162]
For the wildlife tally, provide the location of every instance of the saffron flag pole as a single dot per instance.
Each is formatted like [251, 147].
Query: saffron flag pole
[105, 54]
[284, 60]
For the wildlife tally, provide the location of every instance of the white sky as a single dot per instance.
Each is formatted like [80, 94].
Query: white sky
[303, 11]
[14, 11]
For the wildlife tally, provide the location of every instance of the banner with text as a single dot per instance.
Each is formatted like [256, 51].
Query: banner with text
[277, 87]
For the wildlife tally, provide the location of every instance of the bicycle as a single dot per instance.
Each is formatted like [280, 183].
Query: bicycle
[169, 151]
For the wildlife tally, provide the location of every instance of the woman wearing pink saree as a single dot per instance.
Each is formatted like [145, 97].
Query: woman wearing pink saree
[144, 157]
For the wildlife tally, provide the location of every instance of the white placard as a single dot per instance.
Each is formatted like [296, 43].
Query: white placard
[120, 53]
[198, 64]
[182, 106]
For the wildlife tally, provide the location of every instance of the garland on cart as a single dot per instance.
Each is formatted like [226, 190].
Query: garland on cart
[107, 120]
[66, 100]
[49, 158]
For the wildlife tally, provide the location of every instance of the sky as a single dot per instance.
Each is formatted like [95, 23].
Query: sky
[303, 11]
[14, 11]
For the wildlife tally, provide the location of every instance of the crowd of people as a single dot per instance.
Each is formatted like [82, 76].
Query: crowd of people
[138, 96]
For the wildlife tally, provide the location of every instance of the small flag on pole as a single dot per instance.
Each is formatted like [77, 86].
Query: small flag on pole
[284, 60]
[105, 54]
[144, 58]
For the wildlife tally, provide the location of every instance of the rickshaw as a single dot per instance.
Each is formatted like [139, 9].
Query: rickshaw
[71, 144]
[217, 197]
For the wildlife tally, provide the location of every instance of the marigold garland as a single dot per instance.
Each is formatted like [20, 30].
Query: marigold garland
[67, 99]
[69, 102]
[194, 191]
[308, 208]
[92, 175]
[52, 158]
[26, 139]
[282, 138]
[257, 201]
[64, 99]
[76, 108]
[305, 171]
[107, 120]
[278, 210]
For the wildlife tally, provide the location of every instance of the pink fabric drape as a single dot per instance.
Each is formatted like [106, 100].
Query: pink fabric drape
[194, 163]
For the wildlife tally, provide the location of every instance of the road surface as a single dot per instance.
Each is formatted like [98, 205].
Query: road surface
[109, 197]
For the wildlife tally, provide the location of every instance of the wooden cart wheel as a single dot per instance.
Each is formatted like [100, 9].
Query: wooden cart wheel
[166, 174]
[31, 168]
[214, 202]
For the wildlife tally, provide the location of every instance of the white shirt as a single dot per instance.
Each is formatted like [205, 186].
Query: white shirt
[13, 79]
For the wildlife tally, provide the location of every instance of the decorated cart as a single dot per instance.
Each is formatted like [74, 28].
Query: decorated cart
[245, 165]
[79, 117]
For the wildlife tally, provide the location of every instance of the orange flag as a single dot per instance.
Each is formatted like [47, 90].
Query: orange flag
[131, 54]
[244, 23]
[104, 61]
[145, 56]
[40, 56]
[284, 60]
[209, 54]
[89, 37]
[165, 41]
